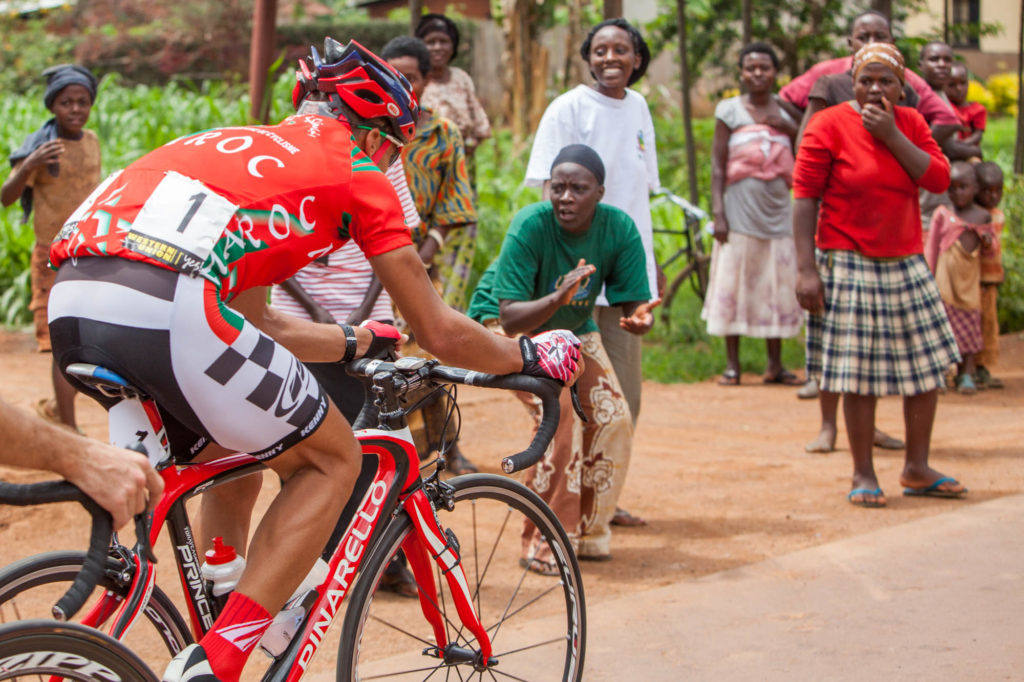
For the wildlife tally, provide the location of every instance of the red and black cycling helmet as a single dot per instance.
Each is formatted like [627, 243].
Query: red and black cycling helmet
[371, 87]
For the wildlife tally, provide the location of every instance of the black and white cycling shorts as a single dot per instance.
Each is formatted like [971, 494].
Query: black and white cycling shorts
[213, 374]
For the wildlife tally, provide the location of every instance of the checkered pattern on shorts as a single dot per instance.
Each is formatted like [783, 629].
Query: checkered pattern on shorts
[884, 330]
[966, 325]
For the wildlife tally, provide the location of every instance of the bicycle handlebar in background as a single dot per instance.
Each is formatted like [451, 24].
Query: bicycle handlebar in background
[29, 494]
[545, 389]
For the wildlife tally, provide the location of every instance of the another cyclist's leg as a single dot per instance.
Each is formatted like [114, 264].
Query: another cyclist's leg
[606, 447]
[556, 478]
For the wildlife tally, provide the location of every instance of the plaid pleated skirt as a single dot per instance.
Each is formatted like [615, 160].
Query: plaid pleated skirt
[884, 330]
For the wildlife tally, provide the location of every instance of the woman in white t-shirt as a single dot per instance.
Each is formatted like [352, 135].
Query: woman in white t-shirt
[616, 122]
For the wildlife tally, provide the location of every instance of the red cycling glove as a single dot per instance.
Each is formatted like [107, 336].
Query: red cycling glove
[385, 339]
[553, 354]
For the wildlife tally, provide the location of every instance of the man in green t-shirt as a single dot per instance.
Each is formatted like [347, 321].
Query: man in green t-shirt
[556, 256]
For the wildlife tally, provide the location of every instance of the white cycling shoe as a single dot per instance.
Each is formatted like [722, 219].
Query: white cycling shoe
[190, 665]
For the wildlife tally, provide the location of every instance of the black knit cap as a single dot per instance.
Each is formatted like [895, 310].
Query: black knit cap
[584, 156]
[63, 75]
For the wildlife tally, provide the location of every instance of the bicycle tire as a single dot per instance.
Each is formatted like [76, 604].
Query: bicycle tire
[552, 647]
[50, 573]
[33, 649]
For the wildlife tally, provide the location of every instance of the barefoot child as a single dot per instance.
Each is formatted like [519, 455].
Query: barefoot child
[990, 193]
[953, 252]
[53, 171]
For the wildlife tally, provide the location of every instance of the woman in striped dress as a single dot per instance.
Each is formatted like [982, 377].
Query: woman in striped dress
[877, 325]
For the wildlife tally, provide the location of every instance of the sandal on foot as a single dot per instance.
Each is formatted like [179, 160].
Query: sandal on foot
[459, 465]
[539, 566]
[730, 377]
[877, 494]
[965, 385]
[934, 490]
[785, 377]
[401, 582]
[621, 517]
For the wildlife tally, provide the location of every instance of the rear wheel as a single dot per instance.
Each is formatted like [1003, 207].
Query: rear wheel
[37, 650]
[30, 587]
[536, 623]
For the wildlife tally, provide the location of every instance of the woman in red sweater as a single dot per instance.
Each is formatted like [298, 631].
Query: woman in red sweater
[877, 326]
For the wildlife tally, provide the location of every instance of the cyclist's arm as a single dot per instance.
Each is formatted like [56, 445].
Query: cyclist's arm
[116, 479]
[451, 336]
[308, 341]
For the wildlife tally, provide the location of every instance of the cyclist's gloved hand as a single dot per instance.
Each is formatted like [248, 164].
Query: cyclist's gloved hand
[386, 340]
[553, 354]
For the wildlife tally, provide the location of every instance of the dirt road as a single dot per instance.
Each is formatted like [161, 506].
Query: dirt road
[720, 473]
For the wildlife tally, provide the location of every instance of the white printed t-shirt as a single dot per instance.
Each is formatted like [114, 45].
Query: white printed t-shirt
[621, 131]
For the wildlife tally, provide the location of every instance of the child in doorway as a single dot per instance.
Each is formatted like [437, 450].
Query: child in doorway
[53, 171]
[990, 193]
[953, 251]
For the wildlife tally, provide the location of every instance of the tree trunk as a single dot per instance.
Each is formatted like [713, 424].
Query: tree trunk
[748, 22]
[260, 53]
[883, 6]
[691, 154]
[612, 9]
[572, 42]
[415, 12]
[1018, 155]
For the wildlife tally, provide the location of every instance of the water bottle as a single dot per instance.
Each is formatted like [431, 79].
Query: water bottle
[286, 623]
[222, 568]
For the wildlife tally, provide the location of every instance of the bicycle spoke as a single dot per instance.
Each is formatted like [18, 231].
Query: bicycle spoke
[404, 632]
[410, 671]
[540, 596]
[556, 640]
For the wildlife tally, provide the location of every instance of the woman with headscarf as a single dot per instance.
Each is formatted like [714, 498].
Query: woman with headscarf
[753, 274]
[449, 91]
[877, 325]
[53, 171]
[556, 257]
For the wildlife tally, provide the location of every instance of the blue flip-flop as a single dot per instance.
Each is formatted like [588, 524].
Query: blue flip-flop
[933, 490]
[871, 504]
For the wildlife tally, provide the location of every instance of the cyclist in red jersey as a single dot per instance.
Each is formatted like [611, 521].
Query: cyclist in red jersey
[162, 277]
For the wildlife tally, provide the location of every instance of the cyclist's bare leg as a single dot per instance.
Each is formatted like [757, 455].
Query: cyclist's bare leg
[317, 476]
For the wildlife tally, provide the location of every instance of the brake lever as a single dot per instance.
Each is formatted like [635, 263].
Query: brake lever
[143, 521]
[574, 393]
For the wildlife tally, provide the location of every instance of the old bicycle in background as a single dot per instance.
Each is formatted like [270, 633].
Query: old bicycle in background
[683, 245]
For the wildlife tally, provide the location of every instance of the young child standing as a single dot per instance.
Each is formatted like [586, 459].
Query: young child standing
[972, 115]
[953, 253]
[53, 171]
[990, 193]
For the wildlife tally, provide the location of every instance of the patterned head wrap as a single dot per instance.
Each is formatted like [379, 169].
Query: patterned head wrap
[886, 54]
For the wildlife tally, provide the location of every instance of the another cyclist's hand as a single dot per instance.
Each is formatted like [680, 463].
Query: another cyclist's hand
[572, 280]
[386, 340]
[554, 354]
[810, 293]
[641, 319]
[120, 481]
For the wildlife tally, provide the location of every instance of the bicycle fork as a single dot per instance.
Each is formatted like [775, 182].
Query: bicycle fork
[431, 542]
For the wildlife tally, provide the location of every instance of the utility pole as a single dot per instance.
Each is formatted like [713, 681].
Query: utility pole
[748, 22]
[612, 9]
[415, 12]
[684, 75]
[264, 27]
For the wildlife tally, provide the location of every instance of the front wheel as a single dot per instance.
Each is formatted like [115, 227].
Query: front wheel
[536, 623]
[39, 649]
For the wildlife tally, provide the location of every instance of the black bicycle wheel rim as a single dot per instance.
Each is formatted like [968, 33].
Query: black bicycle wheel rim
[33, 648]
[567, 587]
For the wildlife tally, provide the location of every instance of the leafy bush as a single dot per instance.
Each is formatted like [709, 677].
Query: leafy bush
[1004, 88]
[1011, 292]
[977, 92]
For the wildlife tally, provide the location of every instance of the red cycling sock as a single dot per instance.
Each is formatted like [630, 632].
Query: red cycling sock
[234, 635]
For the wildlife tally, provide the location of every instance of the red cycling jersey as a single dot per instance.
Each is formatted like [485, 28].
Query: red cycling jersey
[242, 207]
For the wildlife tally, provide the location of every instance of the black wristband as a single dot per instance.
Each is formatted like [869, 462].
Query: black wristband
[350, 342]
